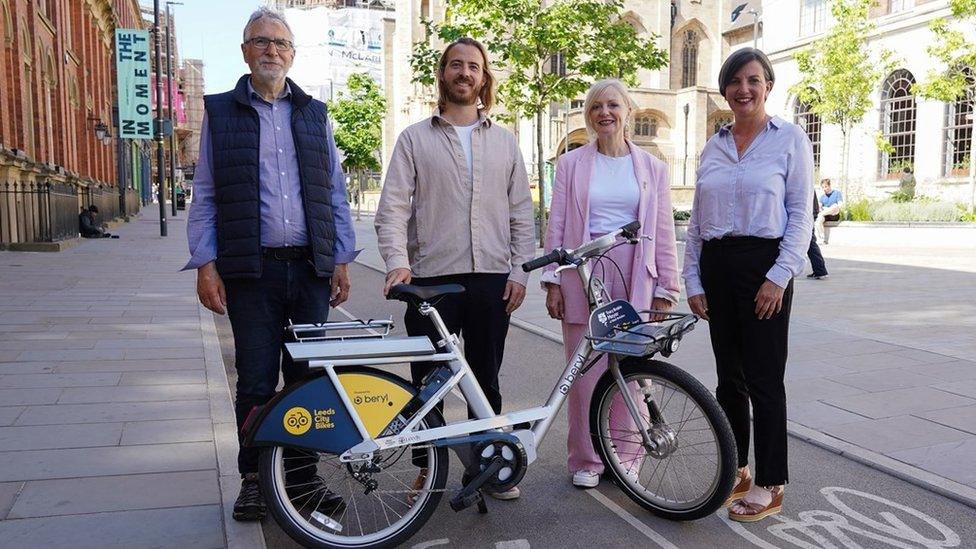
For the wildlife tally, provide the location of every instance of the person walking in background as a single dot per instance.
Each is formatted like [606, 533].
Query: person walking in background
[270, 231]
[599, 188]
[746, 241]
[813, 252]
[830, 204]
[456, 209]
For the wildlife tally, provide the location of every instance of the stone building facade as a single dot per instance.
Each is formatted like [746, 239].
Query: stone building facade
[57, 86]
[931, 137]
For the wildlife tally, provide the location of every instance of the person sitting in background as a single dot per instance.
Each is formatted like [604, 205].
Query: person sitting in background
[88, 225]
[830, 204]
[906, 183]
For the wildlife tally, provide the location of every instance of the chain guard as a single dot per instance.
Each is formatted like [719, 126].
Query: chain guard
[514, 456]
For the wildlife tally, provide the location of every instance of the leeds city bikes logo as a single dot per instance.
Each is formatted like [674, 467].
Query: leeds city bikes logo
[297, 421]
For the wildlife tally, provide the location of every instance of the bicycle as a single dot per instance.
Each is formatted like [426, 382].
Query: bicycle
[354, 424]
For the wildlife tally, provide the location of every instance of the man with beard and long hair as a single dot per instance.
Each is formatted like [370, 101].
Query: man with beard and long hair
[456, 209]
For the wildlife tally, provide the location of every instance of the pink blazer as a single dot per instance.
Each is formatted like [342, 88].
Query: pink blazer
[655, 269]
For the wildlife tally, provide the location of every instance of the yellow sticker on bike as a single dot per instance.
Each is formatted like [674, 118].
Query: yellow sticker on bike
[376, 400]
[297, 421]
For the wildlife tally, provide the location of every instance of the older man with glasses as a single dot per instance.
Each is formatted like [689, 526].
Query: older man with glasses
[270, 233]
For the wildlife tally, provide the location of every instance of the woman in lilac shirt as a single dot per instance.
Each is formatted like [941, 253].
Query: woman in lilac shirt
[747, 238]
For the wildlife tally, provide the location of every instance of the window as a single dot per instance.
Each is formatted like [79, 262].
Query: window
[898, 122]
[645, 125]
[813, 16]
[576, 104]
[557, 64]
[900, 5]
[810, 123]
[959, 132]
[689, 59]
[719, 121]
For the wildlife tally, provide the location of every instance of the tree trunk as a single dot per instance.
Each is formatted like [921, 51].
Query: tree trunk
[845, 148]
[541, 176]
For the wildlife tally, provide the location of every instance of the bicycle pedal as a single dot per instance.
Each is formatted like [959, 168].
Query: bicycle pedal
[464, 500]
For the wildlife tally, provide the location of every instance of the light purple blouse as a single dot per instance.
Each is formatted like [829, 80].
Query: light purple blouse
[765, 193]
[282, 211]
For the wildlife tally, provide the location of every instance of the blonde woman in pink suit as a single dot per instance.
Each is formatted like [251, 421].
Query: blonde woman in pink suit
[599, 188]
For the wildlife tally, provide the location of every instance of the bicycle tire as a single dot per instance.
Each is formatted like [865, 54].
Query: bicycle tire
[418, 512]
[608, 443]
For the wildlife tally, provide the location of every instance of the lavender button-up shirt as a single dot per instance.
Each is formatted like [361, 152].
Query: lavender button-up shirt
[763, 193]
[282, 211]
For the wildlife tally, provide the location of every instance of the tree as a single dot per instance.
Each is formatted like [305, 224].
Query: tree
[587, 38]
[839, 72]
[955, 51]
[358, 116]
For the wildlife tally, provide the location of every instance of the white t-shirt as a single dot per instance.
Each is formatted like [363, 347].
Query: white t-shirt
[464, 134]
[614, 194]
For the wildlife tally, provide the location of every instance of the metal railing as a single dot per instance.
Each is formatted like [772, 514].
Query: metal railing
[133, 202]
[106, 199]
[37, 212]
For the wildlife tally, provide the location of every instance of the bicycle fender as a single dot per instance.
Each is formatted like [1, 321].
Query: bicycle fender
[310, 414]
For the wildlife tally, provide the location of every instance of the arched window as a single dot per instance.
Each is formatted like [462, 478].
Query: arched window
[719, 121]
[959, 131]
[810, 123]
[689, 59]
[898, 122]
[645, 125]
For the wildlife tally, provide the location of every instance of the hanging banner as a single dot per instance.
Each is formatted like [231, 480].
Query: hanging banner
[331, 44]
[135, 101]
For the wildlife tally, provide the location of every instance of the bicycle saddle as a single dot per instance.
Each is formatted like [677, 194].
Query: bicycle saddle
[415, 295]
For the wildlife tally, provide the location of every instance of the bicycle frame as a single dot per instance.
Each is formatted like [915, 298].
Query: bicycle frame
[540, 417]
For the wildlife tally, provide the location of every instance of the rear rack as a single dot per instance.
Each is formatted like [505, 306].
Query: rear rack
[341, 330]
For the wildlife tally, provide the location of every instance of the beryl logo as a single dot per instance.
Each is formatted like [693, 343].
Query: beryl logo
[297, 421]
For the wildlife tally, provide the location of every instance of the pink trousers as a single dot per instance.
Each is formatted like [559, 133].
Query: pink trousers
[582, 455]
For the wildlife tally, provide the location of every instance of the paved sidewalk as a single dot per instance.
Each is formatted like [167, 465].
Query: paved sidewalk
[881, 360]
[116, 428]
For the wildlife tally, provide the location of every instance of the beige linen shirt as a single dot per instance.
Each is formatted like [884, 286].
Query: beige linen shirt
[435, 219]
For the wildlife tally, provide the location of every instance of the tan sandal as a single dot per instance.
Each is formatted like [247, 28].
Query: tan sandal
[742, 486]
[757, 510]
[418, 484]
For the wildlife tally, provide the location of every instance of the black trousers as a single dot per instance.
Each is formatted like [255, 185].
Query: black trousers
[478, 315]
[750, 354]
[259, 310]
[816, 258]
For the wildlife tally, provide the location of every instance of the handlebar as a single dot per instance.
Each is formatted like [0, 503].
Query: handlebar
[562, 256]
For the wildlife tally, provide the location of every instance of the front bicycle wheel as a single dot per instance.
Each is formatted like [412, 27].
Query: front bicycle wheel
[691, 473]
[380, 505]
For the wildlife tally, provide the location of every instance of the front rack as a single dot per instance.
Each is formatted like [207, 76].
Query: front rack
[341, 330]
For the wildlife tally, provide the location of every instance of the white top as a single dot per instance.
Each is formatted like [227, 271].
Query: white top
[614, 194]
[464, 134]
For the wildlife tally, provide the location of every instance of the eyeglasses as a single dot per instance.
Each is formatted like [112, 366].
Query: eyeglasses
[263, 43]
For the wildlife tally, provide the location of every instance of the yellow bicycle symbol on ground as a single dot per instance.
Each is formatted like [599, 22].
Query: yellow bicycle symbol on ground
[297, 421]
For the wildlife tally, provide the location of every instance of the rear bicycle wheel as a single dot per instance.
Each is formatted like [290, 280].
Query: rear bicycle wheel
[380, 507]
[689, 477]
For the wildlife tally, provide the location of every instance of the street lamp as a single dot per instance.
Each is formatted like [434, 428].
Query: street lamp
[169, 93]
[684, 176]
[158, 137]
[101, 129]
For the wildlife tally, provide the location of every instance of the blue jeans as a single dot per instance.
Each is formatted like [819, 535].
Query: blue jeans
[259, 309]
